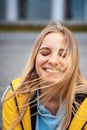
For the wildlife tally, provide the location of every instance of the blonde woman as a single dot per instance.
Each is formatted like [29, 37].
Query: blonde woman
[51, 94]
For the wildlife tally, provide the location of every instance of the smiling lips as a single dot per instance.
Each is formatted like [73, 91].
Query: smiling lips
[48, 70]
[51, 70]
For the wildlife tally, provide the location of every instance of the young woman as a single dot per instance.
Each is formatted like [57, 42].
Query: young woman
[51, 94]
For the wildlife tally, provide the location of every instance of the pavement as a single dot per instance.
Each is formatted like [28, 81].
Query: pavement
[15, 49]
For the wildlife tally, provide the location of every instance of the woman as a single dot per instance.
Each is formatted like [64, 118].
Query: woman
[51, 93]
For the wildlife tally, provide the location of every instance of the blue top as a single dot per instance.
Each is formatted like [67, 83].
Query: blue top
[46, 121]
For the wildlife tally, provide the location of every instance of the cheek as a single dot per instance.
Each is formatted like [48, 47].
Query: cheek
[39, 60]
[68, 65]
[38, 63]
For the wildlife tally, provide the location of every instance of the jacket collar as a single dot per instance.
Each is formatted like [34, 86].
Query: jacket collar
[33, 110]
[79, 98]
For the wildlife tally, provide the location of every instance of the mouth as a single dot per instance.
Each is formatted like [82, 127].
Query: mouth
[48, 70]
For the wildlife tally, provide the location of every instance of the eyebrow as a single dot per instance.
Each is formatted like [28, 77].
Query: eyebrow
[44, 48]
[61, 49]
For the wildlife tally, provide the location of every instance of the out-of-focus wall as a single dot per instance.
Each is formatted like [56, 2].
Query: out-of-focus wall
[16, 10]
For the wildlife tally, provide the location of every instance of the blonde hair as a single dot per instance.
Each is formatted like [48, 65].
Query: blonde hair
[68, 85]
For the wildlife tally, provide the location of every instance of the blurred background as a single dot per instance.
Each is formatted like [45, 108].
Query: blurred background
[14, 10]
[20, 23]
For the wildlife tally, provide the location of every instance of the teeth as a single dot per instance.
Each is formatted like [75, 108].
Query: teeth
[49, 70]
[52, 70]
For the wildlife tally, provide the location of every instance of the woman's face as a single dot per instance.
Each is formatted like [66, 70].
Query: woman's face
[49, 60]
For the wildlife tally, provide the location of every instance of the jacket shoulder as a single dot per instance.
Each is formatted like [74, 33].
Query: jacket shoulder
[14, 83]
[9, 90]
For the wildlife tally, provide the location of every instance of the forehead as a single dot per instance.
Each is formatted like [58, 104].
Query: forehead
[52, 39]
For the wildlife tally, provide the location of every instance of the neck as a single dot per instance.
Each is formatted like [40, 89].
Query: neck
[54, 97]
[52, 104]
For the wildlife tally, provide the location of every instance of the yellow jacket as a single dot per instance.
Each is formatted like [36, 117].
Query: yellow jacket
[10, 110]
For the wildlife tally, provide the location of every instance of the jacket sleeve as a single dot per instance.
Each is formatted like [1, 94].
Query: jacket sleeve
[9, 113]
[80, 117]
[85, 128]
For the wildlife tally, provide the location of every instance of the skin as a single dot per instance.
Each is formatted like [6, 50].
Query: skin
[47, 60]
[48, 57]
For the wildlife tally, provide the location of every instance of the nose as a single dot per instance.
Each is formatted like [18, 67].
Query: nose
[53, 60]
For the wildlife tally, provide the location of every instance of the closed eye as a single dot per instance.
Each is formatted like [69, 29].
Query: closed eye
[62, 53]
[44, 51]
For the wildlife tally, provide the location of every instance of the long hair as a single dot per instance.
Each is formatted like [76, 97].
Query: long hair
[70, 83]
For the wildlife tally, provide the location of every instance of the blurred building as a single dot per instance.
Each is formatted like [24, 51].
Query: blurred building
[14, 10]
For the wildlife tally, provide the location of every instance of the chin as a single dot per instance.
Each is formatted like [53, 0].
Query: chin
[52, 81]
